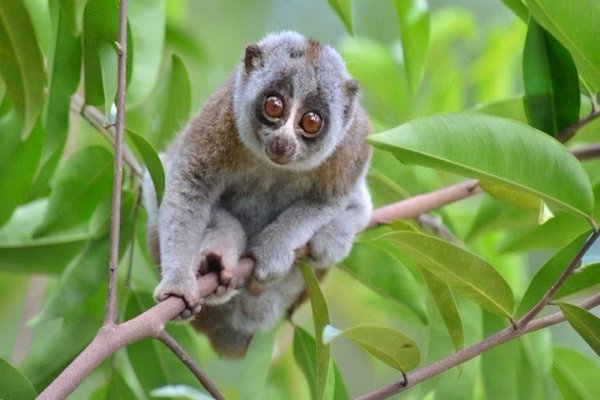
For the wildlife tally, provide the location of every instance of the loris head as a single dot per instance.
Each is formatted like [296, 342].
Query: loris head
[293, 100]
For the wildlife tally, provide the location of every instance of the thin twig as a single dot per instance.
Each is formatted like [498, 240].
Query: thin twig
[419, 375]
[180, 352]
[587, 152]
[571, 130]
[115, 220]
[558, 283]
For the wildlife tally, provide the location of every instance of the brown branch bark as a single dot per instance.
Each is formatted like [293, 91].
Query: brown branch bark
[587, 152]
[115, 218]
[419, 375]
[111, 338]
[571, 130]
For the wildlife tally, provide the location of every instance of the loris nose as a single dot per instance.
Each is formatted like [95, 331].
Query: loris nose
[281, 150]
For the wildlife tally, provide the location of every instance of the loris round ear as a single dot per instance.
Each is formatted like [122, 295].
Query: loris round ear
[253, 58]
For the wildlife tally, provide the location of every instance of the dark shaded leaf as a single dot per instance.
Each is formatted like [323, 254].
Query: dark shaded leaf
[585, 323]
[13, 384]
[151, 161]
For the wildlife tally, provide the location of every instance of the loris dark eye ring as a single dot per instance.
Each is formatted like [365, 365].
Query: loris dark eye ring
[311, 123]
[274, 106]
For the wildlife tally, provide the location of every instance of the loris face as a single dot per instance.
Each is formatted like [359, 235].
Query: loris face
[293, 100]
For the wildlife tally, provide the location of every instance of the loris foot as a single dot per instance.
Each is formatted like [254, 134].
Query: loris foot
[228, 282]
[184, 287]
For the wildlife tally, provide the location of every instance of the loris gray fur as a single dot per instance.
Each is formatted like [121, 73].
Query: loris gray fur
[275, 159]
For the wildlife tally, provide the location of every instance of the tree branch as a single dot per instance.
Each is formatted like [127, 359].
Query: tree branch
[571, 130]
[419, 375]
[115, 217]
[587, 152]
[180, 352]
[149, 324]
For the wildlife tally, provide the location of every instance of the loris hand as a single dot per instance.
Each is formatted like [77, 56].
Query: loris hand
[273, 259]
[184, 286]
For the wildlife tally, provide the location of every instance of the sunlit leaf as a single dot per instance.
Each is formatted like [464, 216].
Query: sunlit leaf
[77, 190]
[462, 270]
[585, 323]
[13, 384]
[255, 370]
[413, 17]
[343, 9]
[575, 375]
[446, 304]
[21, 64]
[551, 83]
[506, 150]
[180, 392]
[321, 319]
[518, 8]
[581, 281]
[390, 346]
[549, 273]
[151, 161]
[575, 25]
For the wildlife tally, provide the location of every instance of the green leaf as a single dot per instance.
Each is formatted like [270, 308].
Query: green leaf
[585, 323]
[549, 272]
[100, 26]
[151, 161]
[518, 8]
[391, 279]
[18, 169]
[413, 16]
[255, 369]
[13, 384]
[21, 63]
[446, 304]
[73, 10]
[343, 9]
[321, 319]
[551, 83]
[468, 274]
[147, 20]
[575, 25]
[506, 150]
[108, 66]
[575, 375]
[384, 86]
[77, 190]
[118, 388]
[390, 346]
[305, 355]
[581, 281]
[64, 73]
[172, 105]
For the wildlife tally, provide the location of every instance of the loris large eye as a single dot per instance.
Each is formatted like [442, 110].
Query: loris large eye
[274, 106]
[311, 123]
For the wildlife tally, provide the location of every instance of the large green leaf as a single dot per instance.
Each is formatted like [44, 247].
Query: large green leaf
[391, 278]
[77, 190]
[147, 20]
[343, 9]
[549, 273]
[304, 349]
[575, 25]
[13, 384]
[468, 274]
[585, 323]
[446, 304]
[507, 157]
[255, 370]
[172, 105]
[390, 346]
[64, 73]
[107, 55]
[551, 83]
[413, 16]
[21, 63]
[73, 10]
[575, 375]
[321, 319]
